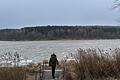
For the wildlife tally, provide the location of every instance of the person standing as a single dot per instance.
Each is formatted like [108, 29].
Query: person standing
[53, 62]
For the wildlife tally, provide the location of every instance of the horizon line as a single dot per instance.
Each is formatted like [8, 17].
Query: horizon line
[20, 27]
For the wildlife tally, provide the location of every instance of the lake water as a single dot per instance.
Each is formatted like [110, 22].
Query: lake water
[41, 50]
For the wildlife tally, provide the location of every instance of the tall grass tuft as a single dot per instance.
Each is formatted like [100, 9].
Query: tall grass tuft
[92, 64]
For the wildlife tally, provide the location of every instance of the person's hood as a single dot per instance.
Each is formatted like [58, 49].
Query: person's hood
[53, 55]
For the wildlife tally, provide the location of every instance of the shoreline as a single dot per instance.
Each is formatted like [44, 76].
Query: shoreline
[56, 40]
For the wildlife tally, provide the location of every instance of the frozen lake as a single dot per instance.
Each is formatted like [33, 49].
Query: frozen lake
[41, 50]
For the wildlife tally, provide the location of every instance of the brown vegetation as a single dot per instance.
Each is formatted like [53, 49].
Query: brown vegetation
[12, 73]
[91, 64]
[20, 73]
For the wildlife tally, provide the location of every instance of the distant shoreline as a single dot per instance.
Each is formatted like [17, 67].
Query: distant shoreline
[45, 33]
[58, 40]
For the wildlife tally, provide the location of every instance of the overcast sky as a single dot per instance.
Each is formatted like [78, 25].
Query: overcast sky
[20, 13]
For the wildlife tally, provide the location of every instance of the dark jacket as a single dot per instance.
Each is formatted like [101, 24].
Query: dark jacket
[53, 61]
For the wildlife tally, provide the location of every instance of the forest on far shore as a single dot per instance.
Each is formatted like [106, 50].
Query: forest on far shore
[60, 33]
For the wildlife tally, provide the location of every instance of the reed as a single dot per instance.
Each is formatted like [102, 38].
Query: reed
[93, 64]
[8, 73]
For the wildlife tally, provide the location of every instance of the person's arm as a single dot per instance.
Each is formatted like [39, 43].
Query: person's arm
[50, 62]
[57, 62]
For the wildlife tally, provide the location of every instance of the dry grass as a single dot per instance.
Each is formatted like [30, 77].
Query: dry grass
[91, 64]
[19, 73]
[12, 73]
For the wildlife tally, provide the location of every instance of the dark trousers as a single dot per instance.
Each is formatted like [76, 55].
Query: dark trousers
[53, 71]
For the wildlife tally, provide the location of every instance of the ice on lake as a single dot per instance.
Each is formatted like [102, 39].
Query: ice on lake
[41, 50]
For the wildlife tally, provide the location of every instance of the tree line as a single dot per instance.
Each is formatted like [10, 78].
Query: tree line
[60, 33]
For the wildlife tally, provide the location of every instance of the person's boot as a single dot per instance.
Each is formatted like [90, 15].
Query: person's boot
[53, 77]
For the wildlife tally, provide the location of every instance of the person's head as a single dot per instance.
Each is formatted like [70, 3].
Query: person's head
[53, 55]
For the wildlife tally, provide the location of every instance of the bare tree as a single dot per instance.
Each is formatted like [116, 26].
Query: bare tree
[116, 4]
